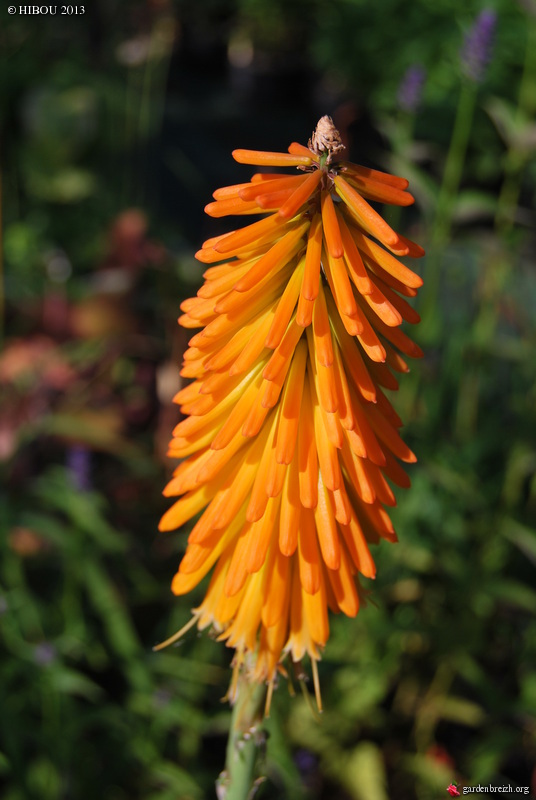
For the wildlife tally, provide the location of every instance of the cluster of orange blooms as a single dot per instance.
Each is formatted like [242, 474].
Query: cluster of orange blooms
[288, 441]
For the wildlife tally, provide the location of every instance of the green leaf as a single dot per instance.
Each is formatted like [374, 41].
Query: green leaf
[176, 778]
[471, 206]
[458, 709]
[68, 681]
[364, 773]
[84, 510]
[513, 593]
[523, 537]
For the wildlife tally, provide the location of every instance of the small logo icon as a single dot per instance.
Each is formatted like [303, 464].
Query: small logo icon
[452, 789]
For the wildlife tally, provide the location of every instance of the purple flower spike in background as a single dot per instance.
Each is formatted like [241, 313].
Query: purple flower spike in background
[477, 47]
[410, 89]
[44, 654]
[78, 464]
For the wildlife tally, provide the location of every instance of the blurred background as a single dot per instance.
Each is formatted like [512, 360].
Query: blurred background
[116, 126]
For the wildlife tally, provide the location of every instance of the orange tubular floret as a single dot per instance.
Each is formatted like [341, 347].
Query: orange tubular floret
[304, 313]
[309, 556]
[300, 150]
[250, 191]
[313, 259]
[332, 233]
[232, 205]
[285, 309]
[274, 199]
[340, 283]
[327, 453]
[343, 585]
[324, 380]
[276, 593]
[300, 195]
[414, 250]
[260, 536]
[381, 192]
[383, 308]
[228, 191]
[321, 330]
[284, 352]
[266, 159]
[276, 258]
[354, 262]
[327, 528]
[364, 173]
[387, 261]
[233, 241]
[287, 430]
[364, 213]
[307, 456]
[290, 511]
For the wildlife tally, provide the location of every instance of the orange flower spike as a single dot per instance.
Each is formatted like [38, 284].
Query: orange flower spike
[288, 438]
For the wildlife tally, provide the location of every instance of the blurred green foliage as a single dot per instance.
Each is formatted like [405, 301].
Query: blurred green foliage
[116, 126]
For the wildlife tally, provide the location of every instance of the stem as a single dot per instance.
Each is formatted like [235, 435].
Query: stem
[515, 160]
[447, 197]
[236, 782]
[2, 291]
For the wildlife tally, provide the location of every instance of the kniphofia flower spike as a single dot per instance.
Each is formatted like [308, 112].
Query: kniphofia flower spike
[289, 442]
